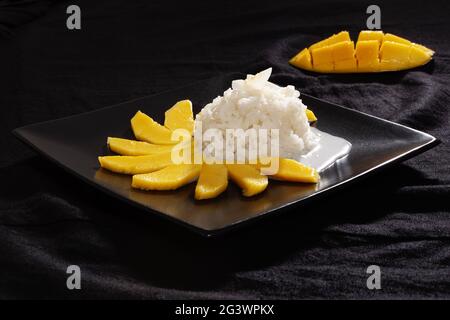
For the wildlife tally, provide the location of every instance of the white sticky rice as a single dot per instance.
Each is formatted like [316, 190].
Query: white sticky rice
[257, 103]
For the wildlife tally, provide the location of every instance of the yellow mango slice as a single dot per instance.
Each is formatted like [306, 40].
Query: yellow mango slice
[147, 129]
[310, 115]
[170, 178]
[302, 60]
[366, 35]
[341, 36]
[135, 164]
[418, 56]
[180, 116]
[247, 178]
[126, 147]
[213, 181]
[424, 49]
[294, 171]
[374, 52]
[291, 170]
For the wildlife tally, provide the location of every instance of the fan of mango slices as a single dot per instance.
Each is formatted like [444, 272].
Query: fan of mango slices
[375, 51]
[149, 160]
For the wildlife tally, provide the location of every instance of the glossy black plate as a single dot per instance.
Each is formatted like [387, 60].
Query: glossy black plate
[75, 142]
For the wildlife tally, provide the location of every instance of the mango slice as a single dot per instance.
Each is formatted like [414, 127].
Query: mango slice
[375, 51]
[213, 181]
[247, 178]
[170, 178]
[294, 171]
[136, 164]
[291, 170]
[180, 116]
[335, 38]
[126, 147]
[147, 129]
[310, 115]
[302, 60]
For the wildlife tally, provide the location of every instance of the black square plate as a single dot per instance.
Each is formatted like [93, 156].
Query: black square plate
[75, 142]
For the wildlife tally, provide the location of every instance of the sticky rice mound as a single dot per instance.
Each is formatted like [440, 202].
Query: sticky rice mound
[257, 103]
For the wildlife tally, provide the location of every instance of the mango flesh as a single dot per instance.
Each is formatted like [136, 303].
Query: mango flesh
[310, 115]
[322, 55]
[170, 178]
[126, 147]
[367, 54]
[302, 59]
[147, 129]
[248, 178]
[343, 51]
[393, 53]
[393, 38]
[345, 66]
[180, 116]
[367, 35]
[291, 170]
[335, 38]
[213, 181]
[374, 52]
[135, 164]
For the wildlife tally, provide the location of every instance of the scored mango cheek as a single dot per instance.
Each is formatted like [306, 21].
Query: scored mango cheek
[373, 52]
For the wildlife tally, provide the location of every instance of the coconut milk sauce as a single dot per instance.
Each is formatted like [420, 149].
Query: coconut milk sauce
[329, 150]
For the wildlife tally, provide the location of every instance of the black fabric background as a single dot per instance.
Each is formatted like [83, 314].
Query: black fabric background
[398, 219]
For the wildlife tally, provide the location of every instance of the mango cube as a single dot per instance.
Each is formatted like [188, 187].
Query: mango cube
[341, 36]
[367, 54]
[322, 55]
[395, 51]
[343, 50]
[348, 65]
[371, 35]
